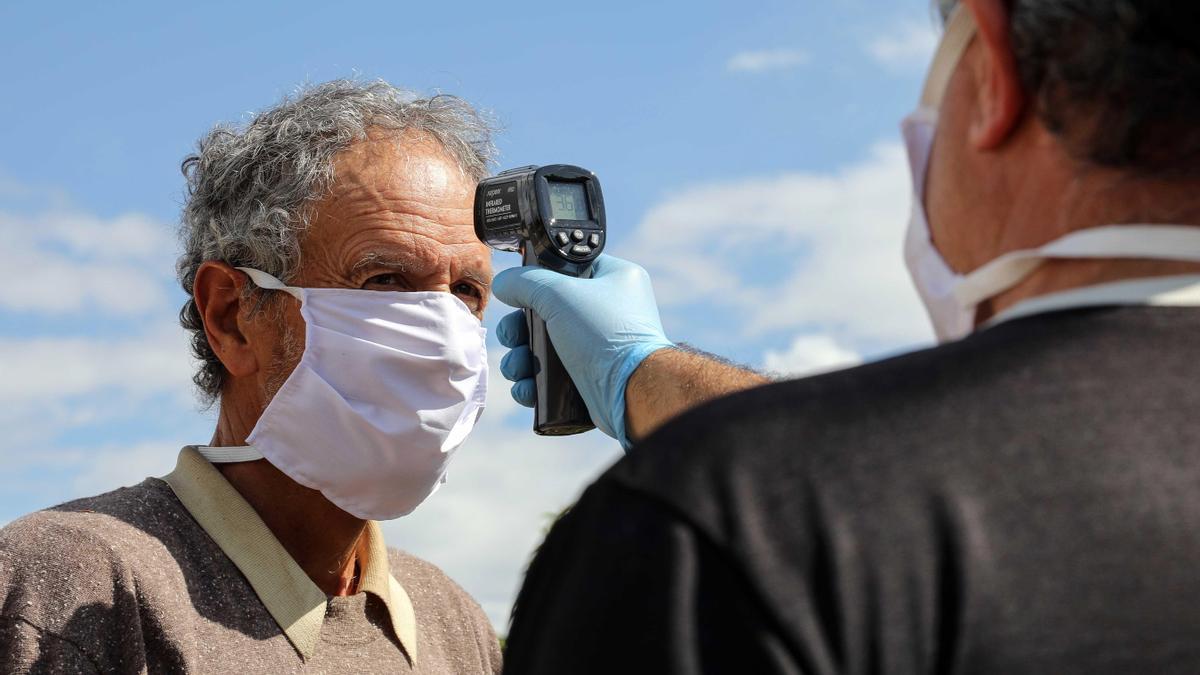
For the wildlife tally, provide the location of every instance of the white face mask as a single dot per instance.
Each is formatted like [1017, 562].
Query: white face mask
[389, 386]
[933, 277]
[952, 299]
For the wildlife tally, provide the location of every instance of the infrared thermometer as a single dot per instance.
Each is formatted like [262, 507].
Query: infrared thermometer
[554, 217]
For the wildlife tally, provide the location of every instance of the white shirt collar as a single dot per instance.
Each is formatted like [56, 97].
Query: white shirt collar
[1172, 291]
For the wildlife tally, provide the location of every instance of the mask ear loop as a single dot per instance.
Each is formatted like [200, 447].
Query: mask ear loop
[264, 280]
[1152, 242]
[960, 30]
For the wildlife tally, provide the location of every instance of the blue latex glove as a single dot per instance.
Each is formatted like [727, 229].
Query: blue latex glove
[602, 328]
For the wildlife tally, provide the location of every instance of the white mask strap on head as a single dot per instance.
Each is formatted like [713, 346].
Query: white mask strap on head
[264, 280]
[960, 30]
[245, 453]
[1153, 242]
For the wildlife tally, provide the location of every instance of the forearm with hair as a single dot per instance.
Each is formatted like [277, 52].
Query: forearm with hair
[672, 381]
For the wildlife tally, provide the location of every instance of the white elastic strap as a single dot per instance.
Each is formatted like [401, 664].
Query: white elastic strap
[243, 453]
[960, 29]
[1155, 242]
[264, 280]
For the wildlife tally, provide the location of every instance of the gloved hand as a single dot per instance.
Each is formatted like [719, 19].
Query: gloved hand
[602, 329]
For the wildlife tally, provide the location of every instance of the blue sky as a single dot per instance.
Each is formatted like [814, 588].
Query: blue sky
[749, 155]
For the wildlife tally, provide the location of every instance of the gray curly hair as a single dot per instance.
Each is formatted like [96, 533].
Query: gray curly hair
[251, 189]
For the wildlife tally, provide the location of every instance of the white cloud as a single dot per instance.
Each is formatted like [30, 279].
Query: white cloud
[795, 252]
[766, 59]
[809, 355]
[129, 237]
[112, 365]
[63, 262]
[101, 470]
[43, 369]
[64, 389]
[52, 474]
[12, 190]
[910, 45]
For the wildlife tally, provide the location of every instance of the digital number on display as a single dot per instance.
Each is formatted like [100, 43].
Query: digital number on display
[568, 201]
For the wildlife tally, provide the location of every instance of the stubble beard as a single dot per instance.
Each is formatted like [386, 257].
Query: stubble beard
[285, 356]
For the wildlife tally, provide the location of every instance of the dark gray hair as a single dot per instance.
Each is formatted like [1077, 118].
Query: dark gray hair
[251, 189]
[1118, 81]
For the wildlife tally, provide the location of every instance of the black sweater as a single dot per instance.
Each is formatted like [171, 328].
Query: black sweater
[1024, 501]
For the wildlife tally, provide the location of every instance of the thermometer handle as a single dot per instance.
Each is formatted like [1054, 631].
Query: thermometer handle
[559, 409]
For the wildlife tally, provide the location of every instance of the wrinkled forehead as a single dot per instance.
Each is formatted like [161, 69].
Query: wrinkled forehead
[395, 196]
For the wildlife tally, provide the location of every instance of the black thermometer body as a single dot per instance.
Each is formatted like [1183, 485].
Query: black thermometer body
[554, 217]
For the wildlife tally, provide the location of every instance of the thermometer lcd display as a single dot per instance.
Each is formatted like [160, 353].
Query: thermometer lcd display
[568, 201]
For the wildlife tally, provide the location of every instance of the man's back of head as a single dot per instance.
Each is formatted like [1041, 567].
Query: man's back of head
[1064, 115]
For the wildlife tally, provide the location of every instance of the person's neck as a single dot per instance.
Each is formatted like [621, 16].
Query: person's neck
[328, 543]
[1092, 199]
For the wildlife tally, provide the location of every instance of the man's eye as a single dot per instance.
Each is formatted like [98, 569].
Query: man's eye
[388, 281]
[463, 288]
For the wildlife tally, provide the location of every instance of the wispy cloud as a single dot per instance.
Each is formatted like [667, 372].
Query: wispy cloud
[909, 45]
[72, 272]
[810, 354]
[59, 262]
[92, 354]
[788, 252]
[41, 369]
[766, 59]
[103, 469]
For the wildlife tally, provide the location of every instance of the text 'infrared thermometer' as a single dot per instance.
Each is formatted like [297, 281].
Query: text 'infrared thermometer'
[554, 217]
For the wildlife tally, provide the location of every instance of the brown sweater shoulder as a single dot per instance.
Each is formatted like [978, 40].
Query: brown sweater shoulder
[80, 581]
[446, 616]
[84, 548]
[70, 574]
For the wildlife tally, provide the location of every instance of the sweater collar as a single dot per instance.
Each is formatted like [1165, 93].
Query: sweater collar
[290, 596]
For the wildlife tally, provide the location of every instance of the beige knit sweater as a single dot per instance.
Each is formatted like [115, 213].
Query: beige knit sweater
[128, 582]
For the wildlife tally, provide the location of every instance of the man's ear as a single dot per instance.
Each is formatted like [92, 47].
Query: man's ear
[218, 295]
[999, 97]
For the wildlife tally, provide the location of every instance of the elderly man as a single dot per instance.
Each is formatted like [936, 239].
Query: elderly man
[336, 288]
[1024, 498]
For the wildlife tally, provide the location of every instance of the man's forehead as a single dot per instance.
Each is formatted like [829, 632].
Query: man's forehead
[409, 162]
[402, 243]
[397, 200]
